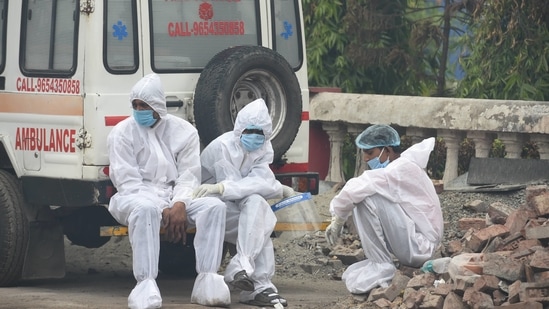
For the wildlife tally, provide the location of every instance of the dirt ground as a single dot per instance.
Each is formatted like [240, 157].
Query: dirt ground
[102, 277]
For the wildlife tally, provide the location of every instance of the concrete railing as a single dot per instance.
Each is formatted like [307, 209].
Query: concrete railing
[482, 121]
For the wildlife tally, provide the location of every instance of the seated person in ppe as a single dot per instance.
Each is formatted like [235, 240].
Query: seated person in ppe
[394, 206]
[155, 166]
[235, 168]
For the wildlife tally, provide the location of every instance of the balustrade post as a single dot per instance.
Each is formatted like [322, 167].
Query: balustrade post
[416, 134]
[451, 140]
[360, 165]
[513, 144]
[542, 141]
[336, 135]
[483, 143]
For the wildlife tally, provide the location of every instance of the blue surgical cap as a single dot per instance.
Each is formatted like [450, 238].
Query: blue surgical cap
[378, 135]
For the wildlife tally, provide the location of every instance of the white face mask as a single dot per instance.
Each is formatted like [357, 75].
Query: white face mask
[375, 163]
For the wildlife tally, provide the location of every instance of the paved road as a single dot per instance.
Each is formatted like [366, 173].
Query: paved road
[111, 290]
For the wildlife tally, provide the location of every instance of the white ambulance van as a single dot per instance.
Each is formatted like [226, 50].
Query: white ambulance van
[66, 69]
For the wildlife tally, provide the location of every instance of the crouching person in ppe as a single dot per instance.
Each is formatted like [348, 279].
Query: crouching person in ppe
[155, 166]
[235, 168]
[394, 206]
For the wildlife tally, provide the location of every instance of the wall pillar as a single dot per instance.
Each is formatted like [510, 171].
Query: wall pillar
[360, 165]
[336, 134]
[542, 141]
[451, 140]
[513, 144]
[483, 143]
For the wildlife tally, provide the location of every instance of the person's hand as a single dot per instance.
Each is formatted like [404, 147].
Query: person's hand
[333, 231]
[287, 191]
[174, 221]
[208, 189]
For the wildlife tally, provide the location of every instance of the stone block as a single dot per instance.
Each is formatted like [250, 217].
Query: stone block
[432, 301]
[527, 244]
[443, 289]
[454, 246]
[311, 268]
[532, 192]
[514, 292]
[535, 230]
[421, 280]
[516, 221]
[349, 257]
[540, 260]
[522, 305]
[534, 291]
[477, 206]
[480, 238]
[498, 212]
[397, 286]
[383, 303]
[471, 223]
[454, 301]
[498, 297]
[501, 265]
[510, 242]
[413, 298]
[477, 299]
[486, 284]
[541, 203]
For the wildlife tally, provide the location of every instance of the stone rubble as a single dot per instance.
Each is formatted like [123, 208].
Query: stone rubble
[500, 261]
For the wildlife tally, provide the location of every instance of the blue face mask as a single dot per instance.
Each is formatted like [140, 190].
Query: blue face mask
[375, 164]
[144, 117]
[252, 142]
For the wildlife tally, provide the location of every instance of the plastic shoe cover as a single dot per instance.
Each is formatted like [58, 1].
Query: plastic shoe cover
[365, 275]
[210, 290]
[145, 295]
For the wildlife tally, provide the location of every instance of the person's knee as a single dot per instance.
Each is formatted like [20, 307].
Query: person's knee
[144, 209]
[214, 204]
[255, 200]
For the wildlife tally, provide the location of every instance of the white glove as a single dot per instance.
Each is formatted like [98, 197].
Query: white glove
[208, 189]
[287, 191]
[333, 231]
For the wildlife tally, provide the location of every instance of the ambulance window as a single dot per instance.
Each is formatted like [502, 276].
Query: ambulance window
[120, 37]
[48, 37]
[3, 21]
[287, 31]
[185, 35]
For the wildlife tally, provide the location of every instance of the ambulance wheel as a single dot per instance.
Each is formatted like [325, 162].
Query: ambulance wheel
[14, 230]
[239, 75]
[178, 259]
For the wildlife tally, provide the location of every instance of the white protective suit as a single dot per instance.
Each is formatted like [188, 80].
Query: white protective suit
[396, 211]
[152, 168]
[247, 181]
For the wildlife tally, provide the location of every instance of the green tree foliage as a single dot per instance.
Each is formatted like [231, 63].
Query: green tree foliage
[376, 46]
[508, 51]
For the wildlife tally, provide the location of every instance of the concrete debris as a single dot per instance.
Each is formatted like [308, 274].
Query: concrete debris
[504, 262]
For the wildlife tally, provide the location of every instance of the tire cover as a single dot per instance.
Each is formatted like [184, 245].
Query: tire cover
[14, 230]
[235, 77]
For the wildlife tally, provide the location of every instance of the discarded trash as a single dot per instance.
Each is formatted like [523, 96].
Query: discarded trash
[438, 266]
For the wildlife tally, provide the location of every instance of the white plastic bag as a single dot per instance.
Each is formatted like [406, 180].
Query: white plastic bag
[466, 266]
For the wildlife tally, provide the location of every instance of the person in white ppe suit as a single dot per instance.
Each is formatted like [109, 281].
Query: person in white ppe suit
[235, 168]
[395, 208]
[155, 166]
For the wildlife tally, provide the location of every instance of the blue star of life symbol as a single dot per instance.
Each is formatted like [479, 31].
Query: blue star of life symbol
[119, 30]
[287, 30]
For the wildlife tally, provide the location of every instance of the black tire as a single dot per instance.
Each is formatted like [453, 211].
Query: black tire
[237, 76]
[14, 230]
[178, 259]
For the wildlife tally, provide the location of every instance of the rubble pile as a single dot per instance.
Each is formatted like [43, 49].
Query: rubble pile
[502, 260]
